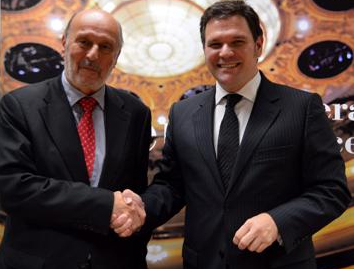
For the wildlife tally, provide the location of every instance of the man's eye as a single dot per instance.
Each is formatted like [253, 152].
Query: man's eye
[83, 43]
[238, 42]
[214, 45]
[106, 48]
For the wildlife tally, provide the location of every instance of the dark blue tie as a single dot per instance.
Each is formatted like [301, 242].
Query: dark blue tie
[229, 140]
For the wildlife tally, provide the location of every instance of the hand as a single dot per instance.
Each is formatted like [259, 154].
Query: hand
[128, 213]
[257, 233]
[131, 197]
[134, 200]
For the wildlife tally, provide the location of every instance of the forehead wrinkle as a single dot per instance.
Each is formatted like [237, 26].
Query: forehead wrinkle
[94, 34]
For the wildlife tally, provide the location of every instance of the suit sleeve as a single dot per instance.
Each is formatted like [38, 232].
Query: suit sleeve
[37, 199]
[143, 155]
[325, 194]
[165, 196]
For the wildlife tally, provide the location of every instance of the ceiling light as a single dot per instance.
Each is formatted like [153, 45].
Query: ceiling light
[56, 24]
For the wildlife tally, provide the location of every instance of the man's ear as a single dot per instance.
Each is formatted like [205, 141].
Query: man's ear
[117, 56]
[259, 45]
[63, 42]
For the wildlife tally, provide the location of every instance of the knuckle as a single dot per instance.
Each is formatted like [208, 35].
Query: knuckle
[242, 244]
[250, 248]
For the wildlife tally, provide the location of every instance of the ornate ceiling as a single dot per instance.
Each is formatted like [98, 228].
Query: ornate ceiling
[163, 58]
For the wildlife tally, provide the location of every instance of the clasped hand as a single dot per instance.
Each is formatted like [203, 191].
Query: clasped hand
[128, 213]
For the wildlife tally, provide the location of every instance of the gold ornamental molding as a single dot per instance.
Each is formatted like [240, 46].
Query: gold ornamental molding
[160, 93]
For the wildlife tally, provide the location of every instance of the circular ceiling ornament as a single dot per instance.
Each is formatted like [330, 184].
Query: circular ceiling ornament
[162, 39]
[331, 5]
[325, 59]
[18, 5]
[33, 62]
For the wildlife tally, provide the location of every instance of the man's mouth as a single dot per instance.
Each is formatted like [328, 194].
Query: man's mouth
[230, 65]
[89, 68]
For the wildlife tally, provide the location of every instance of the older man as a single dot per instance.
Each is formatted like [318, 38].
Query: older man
[67, 146]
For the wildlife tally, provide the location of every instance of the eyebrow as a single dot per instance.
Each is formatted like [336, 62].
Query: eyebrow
[236, 37]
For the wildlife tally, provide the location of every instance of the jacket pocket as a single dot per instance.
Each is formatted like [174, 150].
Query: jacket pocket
[190, 257]
[273, 153]
[19, 260]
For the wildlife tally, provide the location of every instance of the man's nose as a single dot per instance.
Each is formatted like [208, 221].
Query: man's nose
[226, 51]
[92, 53]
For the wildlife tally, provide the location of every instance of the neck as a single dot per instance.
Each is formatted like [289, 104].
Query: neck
[240, 85]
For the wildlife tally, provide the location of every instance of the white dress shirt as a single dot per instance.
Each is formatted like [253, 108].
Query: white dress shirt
[243, 108]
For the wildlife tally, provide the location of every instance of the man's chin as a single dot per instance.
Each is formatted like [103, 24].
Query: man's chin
[88, 74]
[226, 79]
[89, 77]
[89, 86]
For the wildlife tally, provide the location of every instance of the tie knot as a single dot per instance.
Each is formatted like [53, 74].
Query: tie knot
[88, 104]
[232, 100]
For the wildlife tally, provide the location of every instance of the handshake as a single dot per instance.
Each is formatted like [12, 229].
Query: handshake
[128, 213]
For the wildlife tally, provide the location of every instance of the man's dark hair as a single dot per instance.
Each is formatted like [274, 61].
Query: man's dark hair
[230, 8]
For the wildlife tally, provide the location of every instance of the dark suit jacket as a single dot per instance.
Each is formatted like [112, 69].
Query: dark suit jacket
[288, 165]
[55, 219]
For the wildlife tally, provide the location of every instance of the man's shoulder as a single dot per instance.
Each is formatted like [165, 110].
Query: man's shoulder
[288, 92]
[129, 98]
[36, 91]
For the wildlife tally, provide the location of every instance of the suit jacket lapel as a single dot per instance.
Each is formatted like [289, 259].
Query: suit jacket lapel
[264, 113]
[117, 120]
[60, 122]
[203, 128]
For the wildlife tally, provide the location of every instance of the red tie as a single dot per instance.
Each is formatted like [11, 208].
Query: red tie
[87, 132]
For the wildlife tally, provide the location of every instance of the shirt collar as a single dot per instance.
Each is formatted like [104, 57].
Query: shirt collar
[75, 95]
[249, 91]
